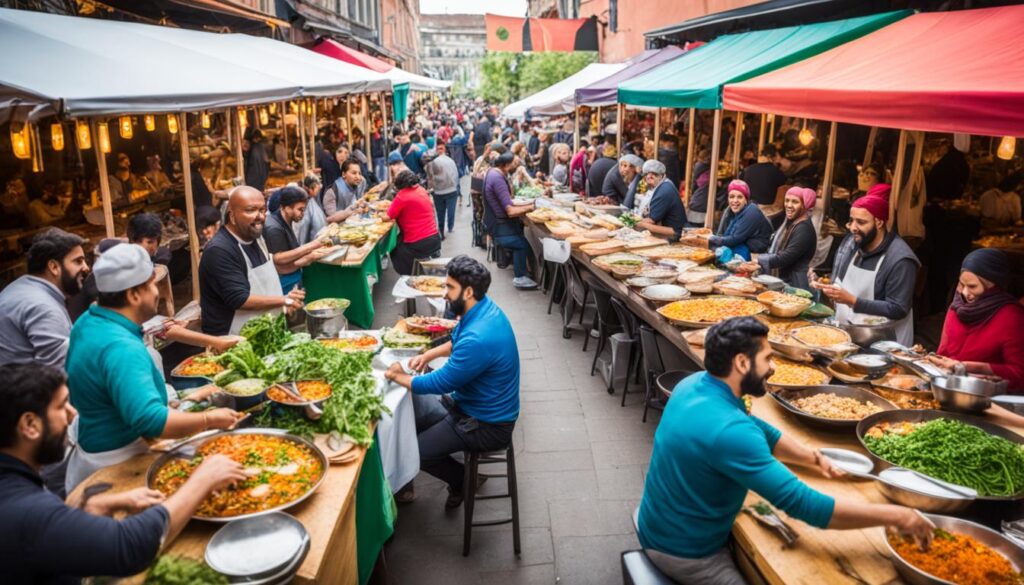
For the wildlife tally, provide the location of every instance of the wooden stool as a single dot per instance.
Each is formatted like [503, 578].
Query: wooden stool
[469, 487]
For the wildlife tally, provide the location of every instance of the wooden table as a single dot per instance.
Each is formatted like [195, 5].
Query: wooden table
[329, 516]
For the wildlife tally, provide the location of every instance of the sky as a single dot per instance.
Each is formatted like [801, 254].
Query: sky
[503, 7]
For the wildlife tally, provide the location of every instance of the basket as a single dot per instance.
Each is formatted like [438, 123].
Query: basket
[783, 305]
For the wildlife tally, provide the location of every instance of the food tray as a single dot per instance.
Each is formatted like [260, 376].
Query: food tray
[188, 448]
[176, 372]
[356, 334]
[915, 416]
[796, 334]
[702, 324]
[786, 397]
[824, 381]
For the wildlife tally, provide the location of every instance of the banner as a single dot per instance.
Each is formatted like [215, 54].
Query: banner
[509, 33]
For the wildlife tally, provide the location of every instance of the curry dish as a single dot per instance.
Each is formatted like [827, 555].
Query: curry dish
[278, 471]
[200, 366]
[711, 309]
[959, 559]
[311, 390]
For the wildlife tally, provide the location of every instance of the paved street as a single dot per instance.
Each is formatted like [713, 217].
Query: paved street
[581, 462]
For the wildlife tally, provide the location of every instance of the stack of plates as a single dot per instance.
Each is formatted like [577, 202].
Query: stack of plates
[261, 550]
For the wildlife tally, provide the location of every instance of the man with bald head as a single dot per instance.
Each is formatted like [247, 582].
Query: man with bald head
[237, 276]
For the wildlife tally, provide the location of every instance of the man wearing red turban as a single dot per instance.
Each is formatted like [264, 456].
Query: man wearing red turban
[874, 272]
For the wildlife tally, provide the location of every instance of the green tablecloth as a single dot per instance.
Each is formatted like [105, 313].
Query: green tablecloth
[350, 282]
[375, 512]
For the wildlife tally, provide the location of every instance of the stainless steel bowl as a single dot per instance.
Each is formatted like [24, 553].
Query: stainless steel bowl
[188, 450]
[868, 363]
[965, 393]
[864, 335]
[786, 399]
[258, 547]
[984, 535]
[919, 499]
[327, 322]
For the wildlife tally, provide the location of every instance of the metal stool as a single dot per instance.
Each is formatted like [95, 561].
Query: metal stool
[637, 569]
[469, 486]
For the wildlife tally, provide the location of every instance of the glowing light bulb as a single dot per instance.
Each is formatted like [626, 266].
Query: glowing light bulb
[1007, 147]
[243, 119]
[264, 117]
[150, 122]
[124, 126]
[104, 137]
[57, 136]
[82, 135]
[172, 123]
[806, 137]
[273, 108]
[204, 120]
[21, 140]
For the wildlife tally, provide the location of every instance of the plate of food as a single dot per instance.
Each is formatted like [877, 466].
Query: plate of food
[831, 407]
[784, 305]
[431, 286]
[396, 338]
[790, 374]
[300, 393]
[282, 470]
[735, 285]
[349, 341]
[429, 325]
[820, 336]
[778, 329]
[702, 312]
[988, 458]
[198, 366]
[677, 252]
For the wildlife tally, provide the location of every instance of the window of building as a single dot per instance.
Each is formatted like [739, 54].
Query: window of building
[613, 16]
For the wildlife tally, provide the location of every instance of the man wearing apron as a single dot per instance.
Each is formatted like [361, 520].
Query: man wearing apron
[237, 276]
[875, 271]
[115, 386]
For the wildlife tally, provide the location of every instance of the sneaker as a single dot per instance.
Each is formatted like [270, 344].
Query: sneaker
[524, 282]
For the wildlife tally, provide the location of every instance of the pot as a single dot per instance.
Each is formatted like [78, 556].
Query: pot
[326, 322]
[864, 335]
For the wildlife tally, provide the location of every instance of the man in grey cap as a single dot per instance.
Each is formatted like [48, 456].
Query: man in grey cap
[662, 209]
[115, 385]
[621, 182]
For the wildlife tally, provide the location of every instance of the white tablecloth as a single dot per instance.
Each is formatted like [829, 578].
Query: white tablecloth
[396, 433]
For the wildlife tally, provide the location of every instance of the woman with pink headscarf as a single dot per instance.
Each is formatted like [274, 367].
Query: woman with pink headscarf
[794, 243]
[743, 228]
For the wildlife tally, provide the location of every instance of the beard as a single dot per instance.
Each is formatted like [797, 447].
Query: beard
[51, 450]
[457, 307]
[867, 237]
[753, 385]
[71, 285]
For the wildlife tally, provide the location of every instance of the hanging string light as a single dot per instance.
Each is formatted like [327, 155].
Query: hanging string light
[150, 122]
[172, 123]
[82, 135]
[204, 119]
[103, 131]
[805, 136]
[273, 108]
[124, 125]
[57, 136]
[264, 117]
[1007, 148]
[294, 107]
[243, 118]
[21, 140]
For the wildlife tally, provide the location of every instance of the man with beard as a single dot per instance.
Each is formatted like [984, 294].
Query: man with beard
[122, 181]
[472, 402]
[708, 452]
[34, 321]
[115, 386]
[875, 271]
[46, 541]
[237, 276]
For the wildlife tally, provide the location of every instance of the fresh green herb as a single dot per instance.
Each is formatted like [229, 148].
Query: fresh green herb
[940, 533]
[629, 220]
[173, 570]
[267, 333]
[763, 509]
[242, 362]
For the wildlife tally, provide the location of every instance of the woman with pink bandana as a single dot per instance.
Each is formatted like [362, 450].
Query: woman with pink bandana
[793, 245]
[744, 228]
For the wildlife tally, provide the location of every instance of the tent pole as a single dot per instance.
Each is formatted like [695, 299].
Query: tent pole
[897, 180]
[383, 115]
[284, 130]
[190, 204]
[576, 132]
[737, 145]
[620, 127]
[348, 122]
[771, 128]
[600, 122]
[716, 141]
[830, 161]
[657, 131]
[101, 166]
[689, 156]
[869, 151]
[760, 135]
[300, 127]
[366, 130]
[239, 158]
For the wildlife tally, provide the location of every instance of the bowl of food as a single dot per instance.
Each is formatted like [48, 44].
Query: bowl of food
[353, 341]
[867, 363]
[307, 395]
[784, 305]
[905, 382]
[789, 374]
[429, 325]
[966, 393]
[831, 407]
[326, 317]
[195, 371]
[961, 552]
[911, 489]
[282, 470]
[641, 282]
[866, 330]
[242, 394]
[664, 293]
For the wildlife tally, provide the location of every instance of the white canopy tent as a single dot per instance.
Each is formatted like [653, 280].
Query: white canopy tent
[560, 98]
[416, 82]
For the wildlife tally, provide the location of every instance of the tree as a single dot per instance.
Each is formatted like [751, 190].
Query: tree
[507, 76]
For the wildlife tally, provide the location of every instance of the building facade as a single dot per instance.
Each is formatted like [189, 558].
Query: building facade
[400, 34]
[452, 47]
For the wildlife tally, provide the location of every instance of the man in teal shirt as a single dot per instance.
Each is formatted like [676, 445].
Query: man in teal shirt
[708, 452]
[115, 386]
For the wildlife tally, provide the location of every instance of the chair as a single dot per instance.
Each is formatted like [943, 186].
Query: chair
[631, 328]
[653, 364]
[473, 461]
[576, 296]
[606, 324]
[637, 569]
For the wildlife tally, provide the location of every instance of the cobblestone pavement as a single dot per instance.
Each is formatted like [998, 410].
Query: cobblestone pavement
[581, 461]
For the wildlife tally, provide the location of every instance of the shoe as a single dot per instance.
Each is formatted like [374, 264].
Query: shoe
[524, 282]
[454, 500]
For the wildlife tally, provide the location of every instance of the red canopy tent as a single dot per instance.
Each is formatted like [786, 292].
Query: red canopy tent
[339, 51]
[941, 72]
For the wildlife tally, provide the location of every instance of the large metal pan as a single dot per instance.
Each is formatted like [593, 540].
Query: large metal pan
[786, 397]
[915, 416]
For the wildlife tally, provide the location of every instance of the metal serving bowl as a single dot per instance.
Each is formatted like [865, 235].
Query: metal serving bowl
[187, 450]
[786, 398]
[868, 363]
[984, 535]
[888, 483]
[965, 393]
[864, 335]
[916, 416]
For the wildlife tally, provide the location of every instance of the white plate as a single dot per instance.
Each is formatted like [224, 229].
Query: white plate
[257, 545]
[849, 461]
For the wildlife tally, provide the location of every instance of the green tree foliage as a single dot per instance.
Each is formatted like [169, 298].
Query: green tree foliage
[510, 76]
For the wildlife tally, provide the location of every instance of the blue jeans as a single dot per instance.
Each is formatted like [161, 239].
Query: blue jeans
[519, 247]
[380, 168]
[445, 205]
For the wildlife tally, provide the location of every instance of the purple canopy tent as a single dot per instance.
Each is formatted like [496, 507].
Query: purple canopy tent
[605, 91]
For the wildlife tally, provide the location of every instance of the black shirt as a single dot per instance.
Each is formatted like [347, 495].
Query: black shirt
[330, 170]
[200, 193]
[481, 135]
[278, 234]
[598, 171]
[666, 207]
[45, 541]
[764, 180]
[614, 185]
[224, 280]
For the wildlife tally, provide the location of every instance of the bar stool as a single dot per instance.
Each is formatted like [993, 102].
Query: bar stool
[469, 486]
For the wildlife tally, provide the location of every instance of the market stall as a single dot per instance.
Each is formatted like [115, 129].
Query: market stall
[559, 99]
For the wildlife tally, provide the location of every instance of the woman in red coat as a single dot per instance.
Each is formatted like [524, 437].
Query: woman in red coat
[984, 329]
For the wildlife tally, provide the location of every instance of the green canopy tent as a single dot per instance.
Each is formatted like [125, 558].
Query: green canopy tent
[695, 79]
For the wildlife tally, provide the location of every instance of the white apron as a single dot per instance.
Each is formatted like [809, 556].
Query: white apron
[263, 281]
[861, 284]
[82, 464]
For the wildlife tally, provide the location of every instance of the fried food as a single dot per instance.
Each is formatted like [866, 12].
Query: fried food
[828, 405]
[711, 309]
[821, 336]
[789, 373]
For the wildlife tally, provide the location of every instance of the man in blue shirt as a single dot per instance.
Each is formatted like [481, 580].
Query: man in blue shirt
[46, 541]
[472, 402]
[664, 214]
[708, 452]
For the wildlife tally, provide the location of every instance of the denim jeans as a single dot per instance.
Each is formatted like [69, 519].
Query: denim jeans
[445, 205]
[441, 430]
[520, 248]
[380, 168]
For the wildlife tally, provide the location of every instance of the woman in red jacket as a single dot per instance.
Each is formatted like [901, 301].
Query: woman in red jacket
[984, 329]
[413, 210]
